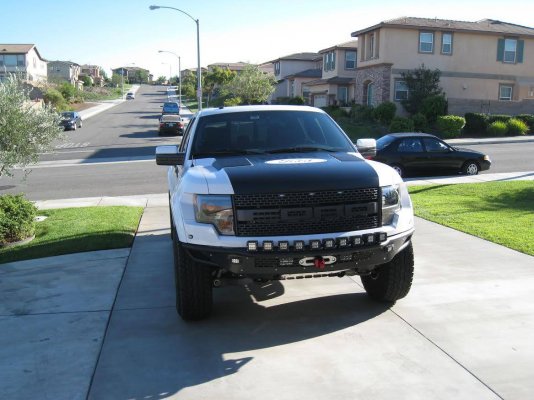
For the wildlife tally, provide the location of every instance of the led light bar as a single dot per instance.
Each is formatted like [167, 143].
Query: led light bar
[315, 244]
[252, 245]
[268, 245]
[328, 243]
[299, 245]
[343, 242]
[284, 246]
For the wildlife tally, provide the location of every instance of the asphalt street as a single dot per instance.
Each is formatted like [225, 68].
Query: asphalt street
[113, 155]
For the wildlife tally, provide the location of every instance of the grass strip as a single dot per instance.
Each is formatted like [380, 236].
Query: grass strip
[74, 230]
[501, 212]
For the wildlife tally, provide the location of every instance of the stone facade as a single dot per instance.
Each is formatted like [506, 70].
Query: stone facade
[380, 76]
[462, 106]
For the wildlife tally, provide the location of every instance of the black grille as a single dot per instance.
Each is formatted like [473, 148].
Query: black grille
[306, 213]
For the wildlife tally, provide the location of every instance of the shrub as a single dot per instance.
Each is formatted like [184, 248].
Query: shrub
[401, 124]
[55, 98]
[385, 112]
[335, 112]
[450, 126]
[516, 127]
[361, 112]
[298, 100]
[67, 90]
[527, 119]
[233, 101]
[476, 123]
[434, 106]
[420, 123]
[497, 128]
[499, 117]
[17, 218]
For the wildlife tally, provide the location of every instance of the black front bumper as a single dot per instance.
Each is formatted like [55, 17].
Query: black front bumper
[271, 264]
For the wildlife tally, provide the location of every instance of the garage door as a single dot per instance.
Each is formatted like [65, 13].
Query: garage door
[319, 100]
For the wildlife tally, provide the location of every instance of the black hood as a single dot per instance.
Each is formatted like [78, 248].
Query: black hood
[302, 172]
[468, 151]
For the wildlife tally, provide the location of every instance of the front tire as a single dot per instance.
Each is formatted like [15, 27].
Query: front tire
[391, 281]
[193, 283]
[470, 168]
[399, 169]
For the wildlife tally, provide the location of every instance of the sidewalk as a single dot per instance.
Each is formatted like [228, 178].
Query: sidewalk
[496, 140]
[103, 325]
[103, 106]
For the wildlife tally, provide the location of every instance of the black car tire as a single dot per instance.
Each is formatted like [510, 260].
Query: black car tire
[399, 169]
[391, 281]
[193, 284]
[80, 126]
[74, 127]
[470, 168]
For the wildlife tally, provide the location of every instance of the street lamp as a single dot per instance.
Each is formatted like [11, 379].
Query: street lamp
[179, 74]
[199, 73]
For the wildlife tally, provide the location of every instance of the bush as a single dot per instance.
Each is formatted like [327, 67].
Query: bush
[516, 127]
[476, 123]
[335, 112]
[67, 90]
[420, 123]
[401, 124]
[233, 101]
[385, 112]
[527, 119]
[499, 117]
[55, 98]
[497, 128]
[434, 106]
[361, 112]
[298, 100]
[450, 126]
[17, 218]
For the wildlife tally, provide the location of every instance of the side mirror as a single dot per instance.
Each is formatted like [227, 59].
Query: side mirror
[169, 155]
[366, 147]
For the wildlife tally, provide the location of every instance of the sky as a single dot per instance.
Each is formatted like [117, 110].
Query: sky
[126, 33]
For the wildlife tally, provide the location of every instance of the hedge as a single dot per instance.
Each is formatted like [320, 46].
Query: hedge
[476, 123]
[516, 127]
[450, 126]
[17, 218]
[401, 124]
[497, 128]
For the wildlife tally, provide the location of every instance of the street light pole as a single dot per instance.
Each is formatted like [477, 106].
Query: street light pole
[179, 74]
[199, 72]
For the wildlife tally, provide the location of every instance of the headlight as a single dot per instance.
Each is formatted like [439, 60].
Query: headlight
[486, 158]
[216, 210]
[390, 203]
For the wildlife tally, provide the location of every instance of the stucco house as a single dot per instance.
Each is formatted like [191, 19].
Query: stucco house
[486, 66]
[93, 72]
[23, 59]
[336, 83]
[67, 71]
[289, 66]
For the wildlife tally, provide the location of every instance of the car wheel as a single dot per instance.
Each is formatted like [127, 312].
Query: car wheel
[193, 284]
[399, 169]
[391, 281]
[74, 127]
[470, 168]
[80, 124]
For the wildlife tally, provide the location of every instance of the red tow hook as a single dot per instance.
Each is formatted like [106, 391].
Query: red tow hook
[318, 262]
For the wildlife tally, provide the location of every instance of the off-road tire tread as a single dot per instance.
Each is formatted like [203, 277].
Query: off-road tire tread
[193, 281]
[394, 280]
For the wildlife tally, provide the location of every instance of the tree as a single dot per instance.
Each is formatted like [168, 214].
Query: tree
[422, 83]
[215, 78]
[103, 74]
[252, 85]
[25, 131]
[86, 80]
[139, 76]
[116, 79]
[67, 90]
[189, 84]
[161, 80]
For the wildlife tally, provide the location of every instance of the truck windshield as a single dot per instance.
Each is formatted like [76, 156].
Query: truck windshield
[268, 132]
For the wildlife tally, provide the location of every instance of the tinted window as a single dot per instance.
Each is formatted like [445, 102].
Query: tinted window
[267, 131]
[68, 114]
[435, 146]
[410, 145]
[384, 142]
[170, 107]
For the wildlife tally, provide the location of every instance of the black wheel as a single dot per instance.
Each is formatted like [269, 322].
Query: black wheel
[193, 282]
[74, 127]
[79, 126]
[392, 281]
[470, 168]
[399, 169]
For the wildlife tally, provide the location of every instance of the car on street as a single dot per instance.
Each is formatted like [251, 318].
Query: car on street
[130, 96]
[70, 120]
[416, 153]
[172, 124]
[170, 107]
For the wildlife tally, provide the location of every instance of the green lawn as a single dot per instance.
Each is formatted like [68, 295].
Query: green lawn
[73, 230]
[501, 212]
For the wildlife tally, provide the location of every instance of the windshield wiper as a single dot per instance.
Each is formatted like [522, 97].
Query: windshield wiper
[304, 149]
[227, 152]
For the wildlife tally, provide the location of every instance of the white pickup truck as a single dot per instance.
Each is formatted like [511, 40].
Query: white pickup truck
[280, 192]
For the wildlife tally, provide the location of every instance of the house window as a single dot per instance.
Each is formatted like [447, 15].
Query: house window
[277, 68]
[369, 94]
[10, 60]
[401, 91]
[510, 50]
[505, 92]
[446, 43]
[330, 61]
[370, 49]
[426, 42]
[342, 95]
[350, 59]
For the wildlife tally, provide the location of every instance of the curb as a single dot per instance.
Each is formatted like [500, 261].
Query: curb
[516, 139]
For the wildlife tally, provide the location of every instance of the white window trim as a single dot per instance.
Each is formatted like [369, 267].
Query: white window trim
[511, 92]
[443, 43]
[354, 61]
[515, 51]
[421, 42]
[395, 90]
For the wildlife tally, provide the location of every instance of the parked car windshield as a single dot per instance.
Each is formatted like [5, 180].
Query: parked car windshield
[384, 142]
[67, 114]
[269, 132]
[170, 107]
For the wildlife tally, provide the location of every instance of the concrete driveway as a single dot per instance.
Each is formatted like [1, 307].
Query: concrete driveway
[463, 332]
